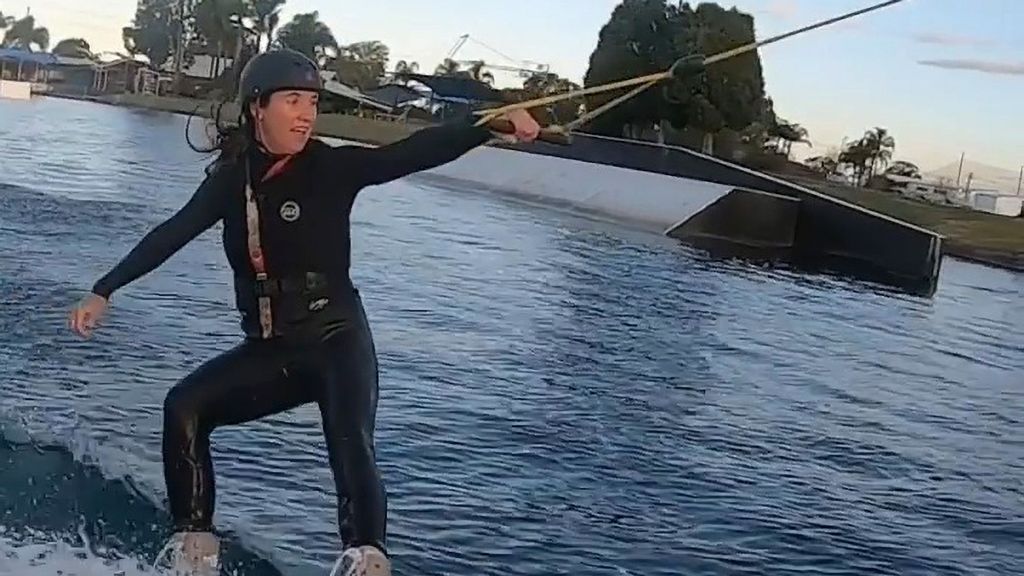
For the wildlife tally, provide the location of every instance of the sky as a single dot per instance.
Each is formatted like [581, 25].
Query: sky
[945, 77]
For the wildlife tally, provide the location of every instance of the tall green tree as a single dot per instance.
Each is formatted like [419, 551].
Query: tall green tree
[25, 35]
[647, 36]
[5, 21]
[154, 30]
[729, 94]
[362, 64]
[637, 40]
[73, 48]
[307, 34]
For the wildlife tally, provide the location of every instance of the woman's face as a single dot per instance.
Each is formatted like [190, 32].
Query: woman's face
[285, 124]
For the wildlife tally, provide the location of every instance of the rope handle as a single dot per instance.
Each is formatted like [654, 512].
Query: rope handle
[554, 134]
[679, 69]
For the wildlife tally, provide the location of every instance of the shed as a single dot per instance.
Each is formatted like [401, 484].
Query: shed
[996, 202]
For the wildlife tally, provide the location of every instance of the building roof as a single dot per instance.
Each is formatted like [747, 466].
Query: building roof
[73, 61]
[457, 88]
[346, 91]
[395, 94]
[42, 58]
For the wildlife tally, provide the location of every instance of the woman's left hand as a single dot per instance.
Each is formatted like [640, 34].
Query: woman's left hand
[527, 129]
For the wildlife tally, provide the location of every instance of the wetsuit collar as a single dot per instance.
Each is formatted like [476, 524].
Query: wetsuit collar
[264, 165]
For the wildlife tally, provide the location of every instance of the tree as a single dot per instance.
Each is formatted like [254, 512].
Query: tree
[362, 64]
[73, 48]
[307, 34]
[548, 83]
[729, 94]
[220, 24]
[905, 169]
[447, 67]
[153, 30]
[823, 164]
[5, 21]
[404, 67]
[267, 15]
[856, 155]
[785, 134]
[635, 41]
[24, 35]
[477, 72]
[880, 146]
[648, 36]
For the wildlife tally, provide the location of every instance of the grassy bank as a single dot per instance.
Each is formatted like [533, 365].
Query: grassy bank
[972, 235]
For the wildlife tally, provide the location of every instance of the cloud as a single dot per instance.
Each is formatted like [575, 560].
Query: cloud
[985, 66]
[951, 39]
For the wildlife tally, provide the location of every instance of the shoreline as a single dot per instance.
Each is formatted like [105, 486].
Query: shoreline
[970, 235]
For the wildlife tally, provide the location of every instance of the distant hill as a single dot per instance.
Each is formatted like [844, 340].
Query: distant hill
[985, 176]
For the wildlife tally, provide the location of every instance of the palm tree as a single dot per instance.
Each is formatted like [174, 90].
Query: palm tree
[362, 64]
[307, 34]
[785, 133]
[880, 145]
[542, 84]
[857, 155]
[24, 35]
[73, 48]
[267, 14]
[367, 52]
[219, 22]
[448, 67]
[403, 67]
[476, 72]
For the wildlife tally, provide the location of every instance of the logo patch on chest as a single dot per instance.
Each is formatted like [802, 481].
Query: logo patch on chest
[290, 211]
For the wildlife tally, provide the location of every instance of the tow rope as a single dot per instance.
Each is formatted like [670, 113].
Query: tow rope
[560, 134]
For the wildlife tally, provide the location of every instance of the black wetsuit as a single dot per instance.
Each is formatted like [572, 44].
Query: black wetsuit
[315, 344]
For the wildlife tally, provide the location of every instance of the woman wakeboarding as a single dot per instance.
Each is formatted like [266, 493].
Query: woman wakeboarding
[285, 200]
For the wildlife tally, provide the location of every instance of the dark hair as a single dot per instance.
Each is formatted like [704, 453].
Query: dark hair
[232, 141]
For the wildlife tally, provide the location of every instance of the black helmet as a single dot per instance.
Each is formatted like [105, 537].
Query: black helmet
[277, 70]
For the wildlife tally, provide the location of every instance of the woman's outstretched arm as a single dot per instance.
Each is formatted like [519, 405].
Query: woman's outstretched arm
[201, 212]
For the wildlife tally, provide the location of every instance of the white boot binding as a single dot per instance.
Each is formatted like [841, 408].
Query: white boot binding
[192, 554]
[362, 561]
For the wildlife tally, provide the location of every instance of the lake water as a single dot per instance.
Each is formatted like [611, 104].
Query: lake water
[558, 396]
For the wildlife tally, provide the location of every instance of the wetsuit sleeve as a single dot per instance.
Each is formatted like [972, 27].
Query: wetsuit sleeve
[424, 149]
[201, 212]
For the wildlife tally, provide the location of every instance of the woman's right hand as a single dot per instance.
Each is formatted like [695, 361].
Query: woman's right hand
[87, 314]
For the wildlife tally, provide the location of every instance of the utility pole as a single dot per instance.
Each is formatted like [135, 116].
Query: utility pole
[180, 48]
[1020, 180]
[960, 171]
